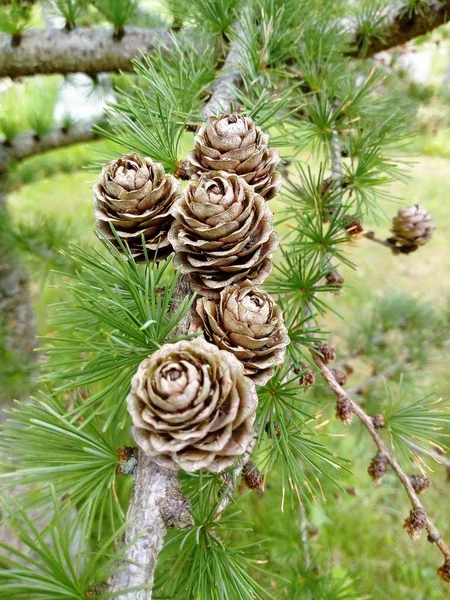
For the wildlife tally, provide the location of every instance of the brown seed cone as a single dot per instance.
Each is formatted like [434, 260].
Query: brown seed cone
[412, 227]
[135, 195]
[420, 483]
[222, 233]
[378, 468]
[252, 477]
[245, 321]
[233, 143]
[192, 407]
[444, 571]
[415, 522]
[344, 410]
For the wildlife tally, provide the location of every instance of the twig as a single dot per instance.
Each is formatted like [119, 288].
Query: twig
[401, 26]
[433, 533]
[386, 374]
[370, 235]
[157, 503]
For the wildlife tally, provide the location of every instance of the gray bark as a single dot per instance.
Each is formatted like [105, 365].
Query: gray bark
[27, 145]
[83, 50]
[402, 25]
[157, 503]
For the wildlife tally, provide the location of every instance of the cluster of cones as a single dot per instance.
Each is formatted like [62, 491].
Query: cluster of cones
[193, 403]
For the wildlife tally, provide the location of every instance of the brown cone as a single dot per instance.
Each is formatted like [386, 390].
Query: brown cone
[135, 195]
[412, 227]
[222, 233]
[245, 321]
[233, 143]
[192, 407]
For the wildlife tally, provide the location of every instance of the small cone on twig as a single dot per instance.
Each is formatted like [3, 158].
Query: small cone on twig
[420, 483]
[253, 478]
[344, 410]
[411, 227]
[444, 571]
[326, 352]
[415, 523]
[233, 143]
[378, 468]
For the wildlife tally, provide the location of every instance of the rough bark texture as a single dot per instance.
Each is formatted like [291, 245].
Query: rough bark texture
[28, 144]
[83, 50]
[402, 26]
[157, 503]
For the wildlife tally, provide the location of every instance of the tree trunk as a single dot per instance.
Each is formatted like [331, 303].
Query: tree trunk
[17, 321]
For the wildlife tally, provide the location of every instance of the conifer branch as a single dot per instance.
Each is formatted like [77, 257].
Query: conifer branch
[156, 504]
[383, 451]
[83, 50]
[29, 144]
[370, 235]
[403, 25]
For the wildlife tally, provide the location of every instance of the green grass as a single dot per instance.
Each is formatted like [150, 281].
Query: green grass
[360, 535]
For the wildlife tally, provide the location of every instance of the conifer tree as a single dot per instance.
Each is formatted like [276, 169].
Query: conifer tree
[185, 341]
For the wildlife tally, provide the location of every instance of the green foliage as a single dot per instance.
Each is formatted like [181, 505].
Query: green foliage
[14, 16]
[58, 564]
[79, 458]
[424, 423]
[117, 12]
[119, 314]
[292, 448]
[151, 115]
[213, 16]
[70, 10]
[29, 105]
[41, 240]
[209, 562]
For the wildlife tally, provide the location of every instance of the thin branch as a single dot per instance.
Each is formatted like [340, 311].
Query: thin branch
[83, 50]
[402, 25]
[28, 144]
[386, 374]
[370, 235]
[433, 533]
